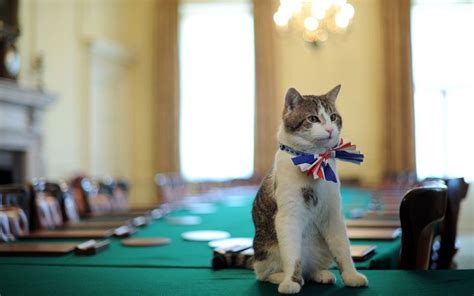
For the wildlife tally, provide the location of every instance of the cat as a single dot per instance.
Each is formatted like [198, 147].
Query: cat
[299, 227]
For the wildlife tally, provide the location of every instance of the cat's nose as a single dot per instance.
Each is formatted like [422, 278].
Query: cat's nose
[329, 130]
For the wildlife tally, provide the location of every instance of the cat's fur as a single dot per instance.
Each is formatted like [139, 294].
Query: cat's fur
[299, 227]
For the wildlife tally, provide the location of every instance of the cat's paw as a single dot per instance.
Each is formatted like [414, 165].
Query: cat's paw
[354, 279]
[289, 287]
[323, 277]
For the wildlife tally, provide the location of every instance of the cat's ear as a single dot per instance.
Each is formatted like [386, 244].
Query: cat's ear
[332, 94]
[292, 98]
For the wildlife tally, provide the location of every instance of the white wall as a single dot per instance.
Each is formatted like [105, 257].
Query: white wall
[466, 217]
[61, 30]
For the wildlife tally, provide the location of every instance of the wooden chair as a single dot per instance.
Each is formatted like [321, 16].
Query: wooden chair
[121, 190]
[403, 179]
[71, 216]
[80, 186]
[92, 197]
[116, 192]
[172, 187]
[15, 195]
[15, 204]
[447, 246]
[45, 208]
[421, 208]
[66, 199]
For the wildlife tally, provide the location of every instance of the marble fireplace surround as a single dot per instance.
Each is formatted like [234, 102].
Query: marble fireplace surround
[21, 110]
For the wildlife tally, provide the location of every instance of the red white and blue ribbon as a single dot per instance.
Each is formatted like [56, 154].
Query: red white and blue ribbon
[317, 164]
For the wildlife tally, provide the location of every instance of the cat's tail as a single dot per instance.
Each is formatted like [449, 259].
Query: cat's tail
[223, 260]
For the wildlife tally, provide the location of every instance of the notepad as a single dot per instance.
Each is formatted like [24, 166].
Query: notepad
[91, 247]
[373, 233]
[373, 223]
[362, 252]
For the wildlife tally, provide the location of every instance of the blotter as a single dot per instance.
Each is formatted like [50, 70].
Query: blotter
[96, 224]
[46, 234]
[36, 248]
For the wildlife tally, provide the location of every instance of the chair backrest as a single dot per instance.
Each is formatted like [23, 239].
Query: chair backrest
[99, 197]
[90, 198]
[14, 211]
[115, 192]
[66, 199]
[121, 191]
[45, 205]
[79, 187]
[420, 209]
[172, 187]
[15, 195]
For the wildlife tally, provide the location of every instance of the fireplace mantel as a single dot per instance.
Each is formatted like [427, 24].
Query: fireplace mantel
[21, 111]
[12, 93]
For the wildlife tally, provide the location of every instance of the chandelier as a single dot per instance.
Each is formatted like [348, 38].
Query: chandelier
[315, 19]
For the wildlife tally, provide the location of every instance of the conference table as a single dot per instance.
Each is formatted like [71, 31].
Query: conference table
[81, 280]
[231, 217]
[184, 267]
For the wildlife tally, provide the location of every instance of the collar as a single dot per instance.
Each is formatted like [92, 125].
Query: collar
[295, 152]
[292, 151]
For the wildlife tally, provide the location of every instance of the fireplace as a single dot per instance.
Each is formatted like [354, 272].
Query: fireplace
[12, 167]
[21, 153]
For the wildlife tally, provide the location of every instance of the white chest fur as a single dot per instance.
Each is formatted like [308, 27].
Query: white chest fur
[310, 234]
[291, 181]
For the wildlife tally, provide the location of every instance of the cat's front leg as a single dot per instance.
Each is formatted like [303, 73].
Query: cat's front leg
[289, 223]
[336, 237]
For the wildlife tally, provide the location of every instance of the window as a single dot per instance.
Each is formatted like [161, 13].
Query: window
[443, 71]
[217, 88]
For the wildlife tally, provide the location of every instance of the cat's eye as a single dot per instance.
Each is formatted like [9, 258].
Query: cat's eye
[333, 117]
[313, 119]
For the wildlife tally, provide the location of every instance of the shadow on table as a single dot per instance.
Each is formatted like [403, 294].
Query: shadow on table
[309, 288]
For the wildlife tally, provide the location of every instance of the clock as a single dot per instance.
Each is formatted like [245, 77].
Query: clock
[10, 61]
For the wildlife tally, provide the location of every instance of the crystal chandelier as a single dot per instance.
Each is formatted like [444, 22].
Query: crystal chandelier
[315, 19]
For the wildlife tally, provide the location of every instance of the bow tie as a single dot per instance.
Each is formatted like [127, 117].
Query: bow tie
[317, 164]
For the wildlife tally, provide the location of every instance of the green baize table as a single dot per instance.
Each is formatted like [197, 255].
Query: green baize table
[180, 253]
[80, 280]
[183, 267]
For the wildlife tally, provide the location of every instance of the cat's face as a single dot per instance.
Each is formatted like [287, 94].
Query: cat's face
[312, 122]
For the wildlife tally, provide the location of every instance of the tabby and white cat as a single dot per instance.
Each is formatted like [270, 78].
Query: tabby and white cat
[299, 227]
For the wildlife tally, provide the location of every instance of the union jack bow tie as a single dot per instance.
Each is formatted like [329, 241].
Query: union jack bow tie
[317, 164]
